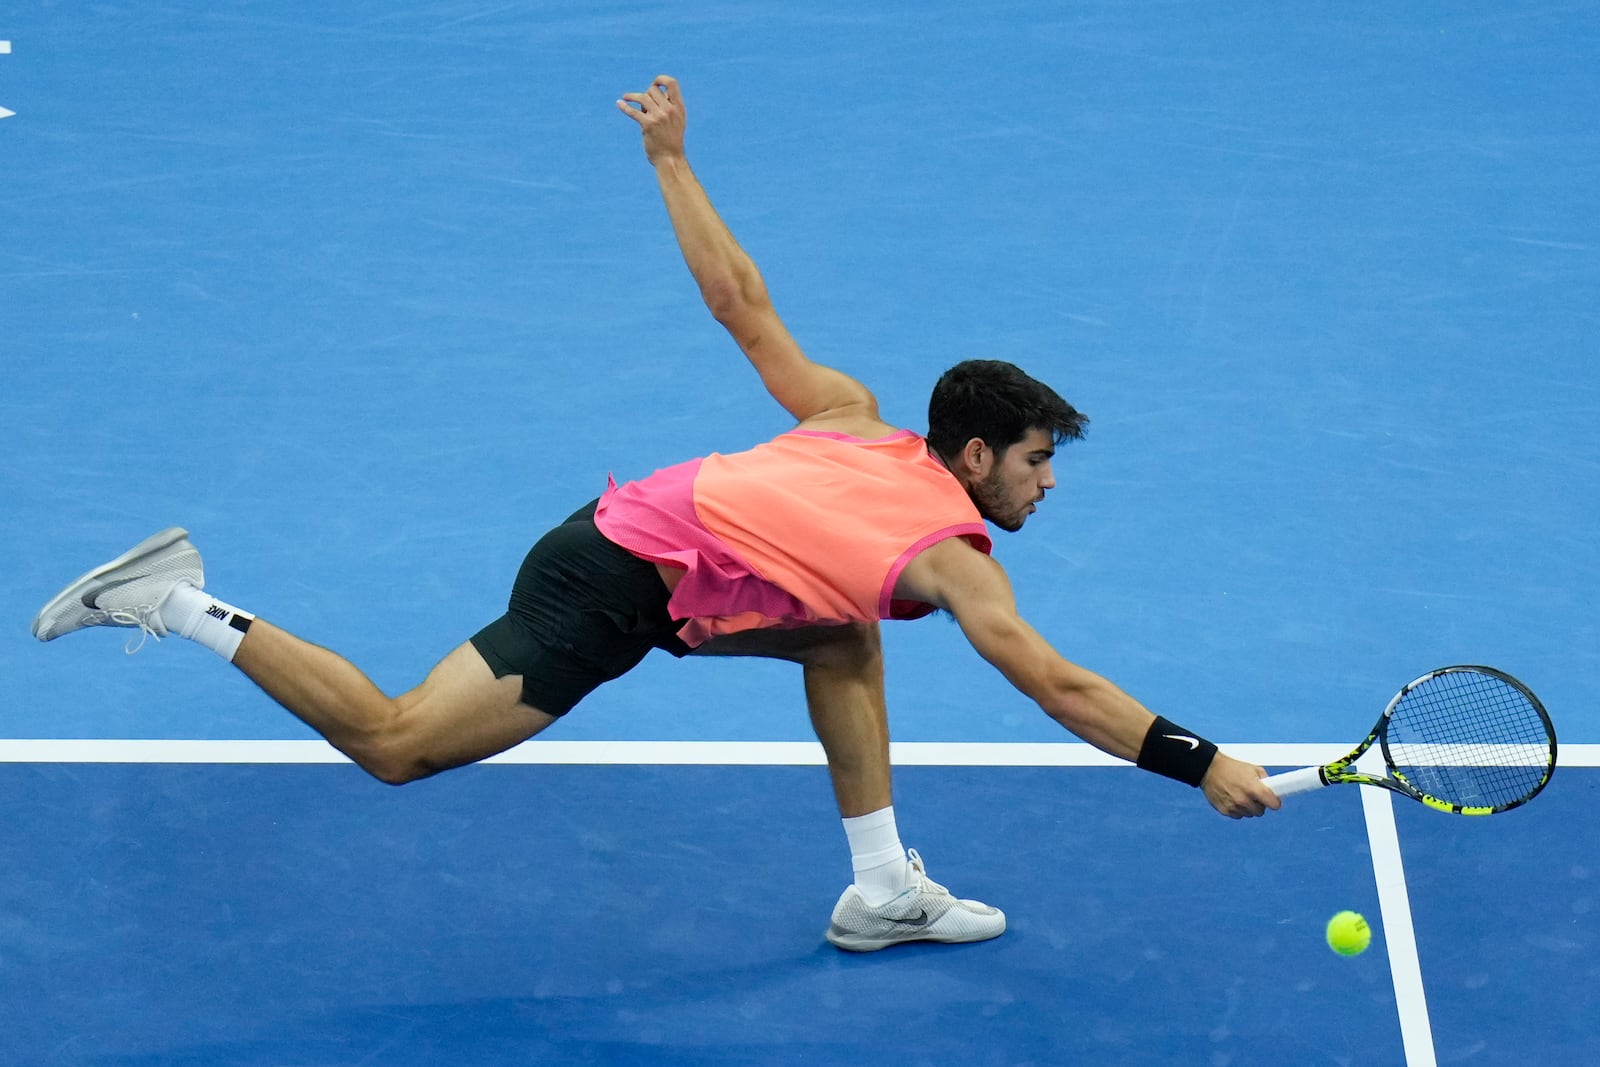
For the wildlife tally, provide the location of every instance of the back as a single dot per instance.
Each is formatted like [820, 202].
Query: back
[812, 527]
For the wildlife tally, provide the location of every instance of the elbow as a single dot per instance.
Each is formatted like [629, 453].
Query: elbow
[729, 297]
[721, 295]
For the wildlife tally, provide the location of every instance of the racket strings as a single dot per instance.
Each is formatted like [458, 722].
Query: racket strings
[1469, 738]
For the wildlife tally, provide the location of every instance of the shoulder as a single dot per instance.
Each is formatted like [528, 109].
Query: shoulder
[950, 570]
[854, 420]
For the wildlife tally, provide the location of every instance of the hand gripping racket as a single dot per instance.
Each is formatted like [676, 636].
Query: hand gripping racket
[1468, 740]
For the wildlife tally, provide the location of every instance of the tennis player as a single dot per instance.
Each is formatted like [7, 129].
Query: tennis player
[795, 550]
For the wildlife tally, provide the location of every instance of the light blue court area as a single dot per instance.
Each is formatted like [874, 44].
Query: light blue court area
[368, 295]
[367, 298]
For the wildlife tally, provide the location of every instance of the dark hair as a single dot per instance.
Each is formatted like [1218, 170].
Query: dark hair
[996, 401]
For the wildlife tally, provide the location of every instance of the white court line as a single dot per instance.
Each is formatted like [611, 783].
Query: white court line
[712, 753]
[1394, 904]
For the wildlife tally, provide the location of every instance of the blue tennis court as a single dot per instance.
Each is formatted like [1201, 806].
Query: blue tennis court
[368, 298]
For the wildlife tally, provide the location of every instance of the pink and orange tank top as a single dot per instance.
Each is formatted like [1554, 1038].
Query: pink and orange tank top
[810, 528]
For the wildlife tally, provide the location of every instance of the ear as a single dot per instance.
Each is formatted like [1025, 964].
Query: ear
[976, 457]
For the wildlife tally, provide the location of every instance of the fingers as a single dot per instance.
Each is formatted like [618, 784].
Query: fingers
[1238, 791]
[662, 92]
[1265, 793]
[1260, 802]
[1251, 804]
[632, 112]
[1255, 801]
[641, 100]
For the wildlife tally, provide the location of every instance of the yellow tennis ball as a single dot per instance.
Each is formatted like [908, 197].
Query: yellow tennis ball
[1349, 934]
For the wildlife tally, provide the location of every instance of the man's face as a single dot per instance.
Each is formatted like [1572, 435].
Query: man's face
[1016, 482]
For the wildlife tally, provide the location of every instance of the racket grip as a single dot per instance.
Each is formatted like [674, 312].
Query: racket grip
[1301, 781]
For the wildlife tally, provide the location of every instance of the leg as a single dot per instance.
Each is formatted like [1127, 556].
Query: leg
[460, 714]
[843, 668]
[562, 635]
[892, 900]
[844, 694]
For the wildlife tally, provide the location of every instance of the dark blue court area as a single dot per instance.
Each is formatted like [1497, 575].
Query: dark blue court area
[513, 914]
[369, 295]
[206, 915]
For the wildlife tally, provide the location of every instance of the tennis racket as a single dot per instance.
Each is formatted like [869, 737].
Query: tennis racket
[1468, 740]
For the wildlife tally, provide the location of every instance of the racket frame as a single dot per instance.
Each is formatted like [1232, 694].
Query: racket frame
[1339, 772]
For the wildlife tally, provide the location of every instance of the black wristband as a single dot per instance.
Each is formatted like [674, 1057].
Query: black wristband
[1173, 752]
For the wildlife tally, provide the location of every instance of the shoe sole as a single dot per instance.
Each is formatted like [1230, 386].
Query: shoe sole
[850, 943]
[154, 543]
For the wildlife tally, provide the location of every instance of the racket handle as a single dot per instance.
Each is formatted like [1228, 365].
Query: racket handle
[1301, 781]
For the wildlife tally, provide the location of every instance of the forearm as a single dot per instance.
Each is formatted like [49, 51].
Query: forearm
[1079, 699]
[725, 274]
[1114, 722]
[1099, 712]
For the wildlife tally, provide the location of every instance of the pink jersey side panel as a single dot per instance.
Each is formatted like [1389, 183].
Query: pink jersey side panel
[719, 592]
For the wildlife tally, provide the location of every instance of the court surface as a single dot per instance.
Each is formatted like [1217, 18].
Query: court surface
[368, 297]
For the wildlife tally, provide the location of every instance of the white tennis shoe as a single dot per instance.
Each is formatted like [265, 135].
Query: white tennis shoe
[127, 591]
[926, 911]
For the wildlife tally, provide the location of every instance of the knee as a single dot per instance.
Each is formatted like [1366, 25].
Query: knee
[393, 772]
[390, 756]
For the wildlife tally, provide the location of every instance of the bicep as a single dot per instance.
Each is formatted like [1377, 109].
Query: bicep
[805, 388]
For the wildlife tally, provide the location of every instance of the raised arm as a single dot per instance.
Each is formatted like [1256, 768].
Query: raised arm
[974, 588]
[729, 282]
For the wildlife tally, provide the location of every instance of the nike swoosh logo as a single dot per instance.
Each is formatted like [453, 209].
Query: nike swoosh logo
[920, 920]
[90, 597]
[1194, 742]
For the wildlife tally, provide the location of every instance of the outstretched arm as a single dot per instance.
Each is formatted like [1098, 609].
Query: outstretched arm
[729, 282]
[975, 589]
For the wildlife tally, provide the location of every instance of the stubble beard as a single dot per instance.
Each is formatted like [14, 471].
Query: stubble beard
[990, 496]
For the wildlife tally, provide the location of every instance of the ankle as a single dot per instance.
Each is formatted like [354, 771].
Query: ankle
[877, 858]
[190, 613]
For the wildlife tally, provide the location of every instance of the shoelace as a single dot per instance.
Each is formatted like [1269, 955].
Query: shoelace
[919, 876]
[139, 617]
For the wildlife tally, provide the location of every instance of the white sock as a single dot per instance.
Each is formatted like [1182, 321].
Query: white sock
[201, 617]
[876, 855]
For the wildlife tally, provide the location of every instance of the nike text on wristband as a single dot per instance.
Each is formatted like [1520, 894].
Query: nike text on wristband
[1173, 752]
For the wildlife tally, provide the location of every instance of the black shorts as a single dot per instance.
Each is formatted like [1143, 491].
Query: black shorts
[583, 611]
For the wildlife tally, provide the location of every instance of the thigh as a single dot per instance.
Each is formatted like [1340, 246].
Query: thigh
[800, 644]
[462, 713]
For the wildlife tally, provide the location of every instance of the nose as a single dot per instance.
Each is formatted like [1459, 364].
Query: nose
[1048, 481]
